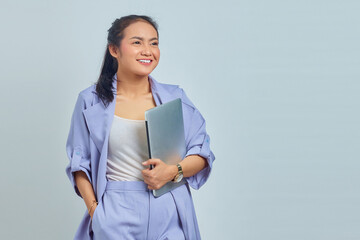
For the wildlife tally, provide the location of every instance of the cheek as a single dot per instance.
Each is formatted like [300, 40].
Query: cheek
[157, 53]
[124, 49]
[127, 51]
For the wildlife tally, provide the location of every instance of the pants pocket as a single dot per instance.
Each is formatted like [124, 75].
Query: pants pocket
[94, 218]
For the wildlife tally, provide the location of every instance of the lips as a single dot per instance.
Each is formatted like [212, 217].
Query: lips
[144, 60]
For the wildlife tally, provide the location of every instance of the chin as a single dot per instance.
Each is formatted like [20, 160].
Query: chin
[144, 73]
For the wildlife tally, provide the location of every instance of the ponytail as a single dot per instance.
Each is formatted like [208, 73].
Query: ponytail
[104, 86]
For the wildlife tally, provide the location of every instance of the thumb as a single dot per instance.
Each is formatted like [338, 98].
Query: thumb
[150, 161]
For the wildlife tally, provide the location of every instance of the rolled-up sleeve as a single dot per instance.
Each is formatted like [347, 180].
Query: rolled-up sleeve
[77, 145]
[199, 144]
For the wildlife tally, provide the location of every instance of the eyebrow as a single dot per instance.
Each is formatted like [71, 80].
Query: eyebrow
[142, 39]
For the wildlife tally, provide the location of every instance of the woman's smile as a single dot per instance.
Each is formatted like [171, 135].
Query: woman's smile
[146, 62]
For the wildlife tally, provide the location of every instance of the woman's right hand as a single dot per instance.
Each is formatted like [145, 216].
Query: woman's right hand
[86, 191]
[93, 210]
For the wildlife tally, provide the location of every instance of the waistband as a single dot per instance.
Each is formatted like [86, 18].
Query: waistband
[127, 186]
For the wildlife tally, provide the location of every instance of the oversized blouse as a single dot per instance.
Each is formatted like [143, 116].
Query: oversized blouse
[87, 142]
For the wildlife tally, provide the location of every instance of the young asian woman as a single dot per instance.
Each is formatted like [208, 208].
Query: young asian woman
[106, 145]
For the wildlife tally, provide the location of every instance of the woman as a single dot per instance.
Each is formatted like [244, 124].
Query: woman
[107, 146]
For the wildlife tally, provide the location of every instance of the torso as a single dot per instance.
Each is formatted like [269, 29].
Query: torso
[133, 108]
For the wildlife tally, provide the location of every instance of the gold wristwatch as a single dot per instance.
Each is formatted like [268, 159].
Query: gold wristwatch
[179, 175]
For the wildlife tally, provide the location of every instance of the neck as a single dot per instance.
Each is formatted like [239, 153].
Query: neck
[132, 86]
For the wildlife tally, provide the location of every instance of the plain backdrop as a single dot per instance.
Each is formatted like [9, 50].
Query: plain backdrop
[277, 82]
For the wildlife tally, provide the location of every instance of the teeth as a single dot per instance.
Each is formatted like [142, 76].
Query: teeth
[145, 61]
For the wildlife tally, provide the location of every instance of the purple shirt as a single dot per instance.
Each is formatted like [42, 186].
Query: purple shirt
[90, 126]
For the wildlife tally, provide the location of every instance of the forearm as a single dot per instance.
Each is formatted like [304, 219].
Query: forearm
[192, 164]
[85, 188]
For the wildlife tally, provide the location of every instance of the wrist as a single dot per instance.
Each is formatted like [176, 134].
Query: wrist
[179, 175]
[93, 209]
[93, 206]
[174, 172]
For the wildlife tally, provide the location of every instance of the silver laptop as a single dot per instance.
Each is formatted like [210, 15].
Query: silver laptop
[166, 138]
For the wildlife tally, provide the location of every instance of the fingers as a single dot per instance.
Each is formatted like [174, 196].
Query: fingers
[154, 187]
[151, 161]
[146, 173]
[151, 176]
[151, 182]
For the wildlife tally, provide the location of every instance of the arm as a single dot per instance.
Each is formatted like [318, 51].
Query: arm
[197, 163]
[78, 169]
[191, 165]
[163, 173]
[86, 190]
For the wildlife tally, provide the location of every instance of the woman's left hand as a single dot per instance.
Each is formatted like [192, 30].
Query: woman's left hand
[159, 175]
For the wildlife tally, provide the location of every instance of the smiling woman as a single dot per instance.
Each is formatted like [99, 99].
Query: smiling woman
[138, 53]
[108, 152]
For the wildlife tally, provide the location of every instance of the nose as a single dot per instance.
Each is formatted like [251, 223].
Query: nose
[146, 50]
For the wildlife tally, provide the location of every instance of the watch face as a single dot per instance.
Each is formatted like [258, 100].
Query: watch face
[179, 178]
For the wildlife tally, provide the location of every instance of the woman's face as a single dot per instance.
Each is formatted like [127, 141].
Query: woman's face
[139, 51]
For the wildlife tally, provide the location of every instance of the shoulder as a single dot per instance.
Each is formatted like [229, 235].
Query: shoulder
[87, 95]
[88, 92]
[174, 91]
[193, 119]
[165, 88]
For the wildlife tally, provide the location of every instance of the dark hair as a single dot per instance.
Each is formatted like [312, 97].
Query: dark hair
[104, 85]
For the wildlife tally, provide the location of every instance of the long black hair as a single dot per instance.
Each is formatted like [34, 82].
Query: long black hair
[104, 86]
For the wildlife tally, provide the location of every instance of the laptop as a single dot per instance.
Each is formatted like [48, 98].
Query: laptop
[166, 138]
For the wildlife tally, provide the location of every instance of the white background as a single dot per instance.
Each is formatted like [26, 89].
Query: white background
[277, 82]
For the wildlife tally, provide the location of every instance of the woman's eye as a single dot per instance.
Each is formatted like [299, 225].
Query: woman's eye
[155, 43]
[137, 42]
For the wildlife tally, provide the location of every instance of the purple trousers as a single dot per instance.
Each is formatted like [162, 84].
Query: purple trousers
[129, 211]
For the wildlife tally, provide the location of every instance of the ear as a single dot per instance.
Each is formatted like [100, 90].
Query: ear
[113, 50]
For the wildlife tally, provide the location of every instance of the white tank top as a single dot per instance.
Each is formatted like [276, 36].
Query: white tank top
[127, 149]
